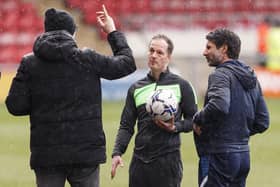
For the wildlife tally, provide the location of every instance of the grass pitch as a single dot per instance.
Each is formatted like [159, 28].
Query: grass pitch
[14, 152]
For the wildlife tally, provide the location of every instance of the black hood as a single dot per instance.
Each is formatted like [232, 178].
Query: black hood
[54, 46]
[244, 73]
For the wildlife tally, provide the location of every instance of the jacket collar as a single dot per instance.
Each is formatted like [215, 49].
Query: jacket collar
[161, 76]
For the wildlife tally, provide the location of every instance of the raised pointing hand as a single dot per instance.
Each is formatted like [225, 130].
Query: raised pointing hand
[105, 21]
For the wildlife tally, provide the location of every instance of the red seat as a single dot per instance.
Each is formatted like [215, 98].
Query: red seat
[26, 8]
[203, 13]
[8, 54]
[11, 21]
[125, 7]
[89, 9]
[27, 22]
[23, 50]
[76, 4]
[142, 6]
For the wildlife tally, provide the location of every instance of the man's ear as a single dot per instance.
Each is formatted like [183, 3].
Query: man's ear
[169, 59]
[224, 48]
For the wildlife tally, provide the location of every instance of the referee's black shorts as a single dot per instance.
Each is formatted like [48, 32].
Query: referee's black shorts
[165, 171]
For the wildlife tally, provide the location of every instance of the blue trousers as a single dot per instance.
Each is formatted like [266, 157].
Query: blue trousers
[224, 170]
[77, 177]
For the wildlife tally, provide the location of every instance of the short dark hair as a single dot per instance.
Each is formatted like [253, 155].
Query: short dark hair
[223, 36]
[169, 42]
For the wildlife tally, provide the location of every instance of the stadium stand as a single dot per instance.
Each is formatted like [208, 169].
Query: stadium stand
[19, 25]
[20, 21]
[185, 21]
[180, 14]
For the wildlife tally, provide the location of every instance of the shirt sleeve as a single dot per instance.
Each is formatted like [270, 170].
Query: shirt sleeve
[261, 121]
[18, 100]
[127, 124]
[188, 106]
[218, 99]
[118, 65]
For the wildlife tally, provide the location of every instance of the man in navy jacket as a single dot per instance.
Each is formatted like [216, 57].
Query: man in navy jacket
[234, 109]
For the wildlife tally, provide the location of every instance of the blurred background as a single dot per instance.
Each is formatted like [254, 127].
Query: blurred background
[186, 22]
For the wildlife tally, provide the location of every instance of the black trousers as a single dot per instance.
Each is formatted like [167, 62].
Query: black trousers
[77, 177]
[165, 171]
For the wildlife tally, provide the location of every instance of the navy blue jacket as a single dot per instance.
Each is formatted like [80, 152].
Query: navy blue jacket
[59, 87]
[234, 109]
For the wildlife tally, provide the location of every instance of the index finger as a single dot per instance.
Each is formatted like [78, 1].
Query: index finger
[113, 170]
[104, 10]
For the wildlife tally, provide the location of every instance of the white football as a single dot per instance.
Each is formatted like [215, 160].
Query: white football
[162, 104]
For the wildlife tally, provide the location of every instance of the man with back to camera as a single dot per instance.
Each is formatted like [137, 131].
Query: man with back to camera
[58, 86]
[156, 159]
[234, 109]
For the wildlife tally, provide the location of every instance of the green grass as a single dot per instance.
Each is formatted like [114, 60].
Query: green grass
[14, 152]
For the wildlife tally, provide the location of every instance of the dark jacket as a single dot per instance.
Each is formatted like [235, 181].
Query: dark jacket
[234, 109]
[59, 87]
[151, 141]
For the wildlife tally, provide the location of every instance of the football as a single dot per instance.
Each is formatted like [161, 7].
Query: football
[162, 104]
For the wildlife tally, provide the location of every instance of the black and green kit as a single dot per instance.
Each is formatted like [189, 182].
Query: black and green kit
[152, 142]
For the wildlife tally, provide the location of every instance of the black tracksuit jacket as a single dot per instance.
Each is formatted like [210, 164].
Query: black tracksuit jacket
[59, 88]
[151, 141]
